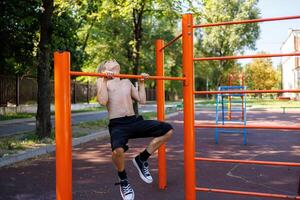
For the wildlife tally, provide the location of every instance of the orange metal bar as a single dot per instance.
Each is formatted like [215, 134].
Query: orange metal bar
[289, 164]
[73, 73]
[247, 21]
[246, 91]
[160, 99]
[188, 105]
[248, 126]
[171, 42]
[257, 194]
[248, 56]
[63, 134]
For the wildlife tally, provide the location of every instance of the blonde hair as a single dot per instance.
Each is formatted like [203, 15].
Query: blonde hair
[101, 67]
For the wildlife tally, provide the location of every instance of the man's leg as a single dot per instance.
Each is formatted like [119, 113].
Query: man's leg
[118, 157]
[140, 161]
[157, 142]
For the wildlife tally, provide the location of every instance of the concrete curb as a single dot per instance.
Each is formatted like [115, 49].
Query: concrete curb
[31, 153]
[16, 121]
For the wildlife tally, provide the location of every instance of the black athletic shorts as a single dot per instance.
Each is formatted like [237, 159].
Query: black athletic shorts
[124, 128]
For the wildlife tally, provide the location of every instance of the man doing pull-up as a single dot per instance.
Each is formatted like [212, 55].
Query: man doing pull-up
[117, 96]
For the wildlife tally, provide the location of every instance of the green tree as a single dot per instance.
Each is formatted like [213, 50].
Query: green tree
[43, 122]
[20, 34]
[261, 75]
[58, 31]
[279, 73]
[126, 31]
[65, 34]
[18, 38]
[224, 40]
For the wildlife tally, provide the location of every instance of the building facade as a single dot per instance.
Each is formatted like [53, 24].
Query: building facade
[291, 65]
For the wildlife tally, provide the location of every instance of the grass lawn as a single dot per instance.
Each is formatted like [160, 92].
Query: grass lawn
[10, 116]
[29, 140]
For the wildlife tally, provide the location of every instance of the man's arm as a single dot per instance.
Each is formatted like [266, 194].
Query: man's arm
[142, 92]
[102, 94]
[140, 95]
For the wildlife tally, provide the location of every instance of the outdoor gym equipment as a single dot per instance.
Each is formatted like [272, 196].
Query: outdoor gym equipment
[233, 110]
[63, 131]
[192, 188]
[62, 75]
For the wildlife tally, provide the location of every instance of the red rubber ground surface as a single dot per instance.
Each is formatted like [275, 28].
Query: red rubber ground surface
[94, 175]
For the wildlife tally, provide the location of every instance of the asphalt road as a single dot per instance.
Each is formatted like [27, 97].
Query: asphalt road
[12, 127]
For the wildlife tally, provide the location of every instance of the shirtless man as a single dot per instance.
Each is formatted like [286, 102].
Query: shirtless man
[117, 96]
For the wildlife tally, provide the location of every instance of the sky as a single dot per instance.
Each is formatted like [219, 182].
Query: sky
[273, 34]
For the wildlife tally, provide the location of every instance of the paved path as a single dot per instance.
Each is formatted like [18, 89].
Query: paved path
[94, 175]
[19, 126]
[11, 127]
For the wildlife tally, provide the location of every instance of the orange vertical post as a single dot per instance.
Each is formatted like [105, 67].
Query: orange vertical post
[63, 135]
[160, 99]
[188, 104]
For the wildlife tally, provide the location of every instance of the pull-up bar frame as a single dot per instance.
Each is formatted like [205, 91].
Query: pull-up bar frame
[191, 189]
[63, 131]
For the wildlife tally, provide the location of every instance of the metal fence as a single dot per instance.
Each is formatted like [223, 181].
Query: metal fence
[23, 90]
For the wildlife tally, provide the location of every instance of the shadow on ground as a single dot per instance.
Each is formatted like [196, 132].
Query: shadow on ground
[94, 175]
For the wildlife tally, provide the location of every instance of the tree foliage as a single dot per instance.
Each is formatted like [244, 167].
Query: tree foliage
[125, 30]
[261, 75]
[19, 24]
[224, 40]
[114, 35]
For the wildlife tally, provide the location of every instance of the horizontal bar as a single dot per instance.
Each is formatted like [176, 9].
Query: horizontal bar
[246, 21]
[248, 56]
[248, 126]
[256, 162]
[233, 101]
[72, 73]
[246, 91]
[171, 42]
[231, 121]
[233, 109]
[231, 132]
[231, 87]
[233, 95]
[257, 194]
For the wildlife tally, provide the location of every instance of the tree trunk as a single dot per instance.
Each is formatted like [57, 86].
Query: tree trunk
[88, 34]
[43, 122]
[137, 23]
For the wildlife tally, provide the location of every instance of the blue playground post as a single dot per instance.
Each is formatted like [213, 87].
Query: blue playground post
[237, 110]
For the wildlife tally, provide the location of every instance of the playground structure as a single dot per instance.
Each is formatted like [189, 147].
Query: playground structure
[241, 81]
[233, 110]
[233, 107]
[62, 115]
